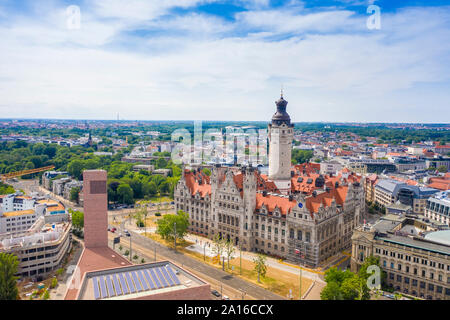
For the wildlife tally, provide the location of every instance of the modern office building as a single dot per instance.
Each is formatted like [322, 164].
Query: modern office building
[388, 191]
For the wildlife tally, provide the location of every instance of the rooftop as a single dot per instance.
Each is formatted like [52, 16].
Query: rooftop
[135, 281]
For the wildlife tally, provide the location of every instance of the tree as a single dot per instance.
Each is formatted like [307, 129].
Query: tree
[75, 168]
[301, 156]
[75, 194]
[140, 216]
[164, 188]
[54, 283]
[77, 219]
[260, 265]
[6, 189]
[125, 194]
[161, 163]
[218, 245]
[150, 189]
[332, 291]
[229, 250]
[8, 284]
[166, 225]
[46, 295]
[442, 169]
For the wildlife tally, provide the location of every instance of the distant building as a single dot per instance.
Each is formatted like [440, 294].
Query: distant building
[48, 176]
[388, 191]
[437, 162]
[405, 164]
[438, 207]
[330, 167]
[163, 172]
[441, 182]
[145, 167]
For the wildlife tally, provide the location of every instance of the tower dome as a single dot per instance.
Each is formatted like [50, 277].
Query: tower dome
[281, 116]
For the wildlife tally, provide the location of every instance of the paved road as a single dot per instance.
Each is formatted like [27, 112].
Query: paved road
[219, 275]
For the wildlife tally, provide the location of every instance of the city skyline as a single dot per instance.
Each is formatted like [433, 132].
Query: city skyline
[226, 60]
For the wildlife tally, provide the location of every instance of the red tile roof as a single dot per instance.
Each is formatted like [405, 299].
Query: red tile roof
[193, 182]
[275, 201]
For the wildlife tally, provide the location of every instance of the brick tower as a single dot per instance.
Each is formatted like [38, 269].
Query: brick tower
[95, 208]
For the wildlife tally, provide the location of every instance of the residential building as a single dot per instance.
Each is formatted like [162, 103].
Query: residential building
[41, 246]
[438, 207]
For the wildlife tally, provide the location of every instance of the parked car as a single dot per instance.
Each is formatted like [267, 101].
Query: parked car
[215, 293]
[225, 297]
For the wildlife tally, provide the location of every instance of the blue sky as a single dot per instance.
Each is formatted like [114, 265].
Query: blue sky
[226, 60]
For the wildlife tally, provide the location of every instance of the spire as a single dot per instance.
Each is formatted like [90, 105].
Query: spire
[281, 91]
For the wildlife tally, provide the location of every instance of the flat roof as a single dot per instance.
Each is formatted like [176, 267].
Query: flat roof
[442, 236]
[136, 281]
[18, 213]
[93, 259]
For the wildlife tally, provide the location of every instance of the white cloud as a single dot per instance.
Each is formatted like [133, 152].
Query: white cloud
[48, 71]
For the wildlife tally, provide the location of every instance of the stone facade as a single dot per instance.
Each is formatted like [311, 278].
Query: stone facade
[306, 218]
[413, 264]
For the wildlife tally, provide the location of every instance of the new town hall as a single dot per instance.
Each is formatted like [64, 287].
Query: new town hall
[293, 212]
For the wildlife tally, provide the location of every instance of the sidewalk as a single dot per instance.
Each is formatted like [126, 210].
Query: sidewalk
[199, 242]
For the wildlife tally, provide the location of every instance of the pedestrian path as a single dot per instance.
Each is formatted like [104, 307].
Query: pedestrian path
[200, 242]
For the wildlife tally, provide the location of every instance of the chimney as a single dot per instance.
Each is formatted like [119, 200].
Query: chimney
[95, 208]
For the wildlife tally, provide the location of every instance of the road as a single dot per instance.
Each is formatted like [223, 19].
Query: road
[147, 245]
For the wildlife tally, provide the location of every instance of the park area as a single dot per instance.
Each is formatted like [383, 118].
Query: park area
[284, 283]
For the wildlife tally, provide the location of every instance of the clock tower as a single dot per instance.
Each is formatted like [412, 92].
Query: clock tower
[281, 133]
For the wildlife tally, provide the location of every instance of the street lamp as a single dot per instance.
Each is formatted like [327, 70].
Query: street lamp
[175, 236]
[301, 256]
[204, 251]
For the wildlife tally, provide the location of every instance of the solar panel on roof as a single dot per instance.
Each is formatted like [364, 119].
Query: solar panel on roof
[117, 285]
[174, 276]
[169, 279]
[155, 278]
[103, 287]
[96, 289]
[130, 282]
[136, 281]
[124, 284]
[161, 277]
[142, 279]
[149, 279]
[111, 290]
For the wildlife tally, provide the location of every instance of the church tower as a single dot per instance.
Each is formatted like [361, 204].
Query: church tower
[281, 133]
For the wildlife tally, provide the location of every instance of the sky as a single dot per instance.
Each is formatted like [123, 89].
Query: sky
[225, 60]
